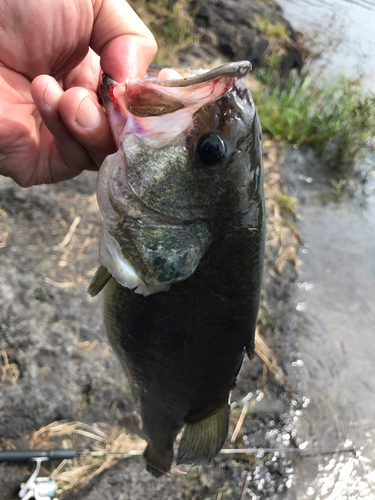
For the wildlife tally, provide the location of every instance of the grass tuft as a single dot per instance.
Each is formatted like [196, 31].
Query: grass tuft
[171, 24]
[336, 119]
[266, 27]
[287, 203]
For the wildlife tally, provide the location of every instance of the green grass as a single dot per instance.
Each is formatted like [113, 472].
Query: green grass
[337, 119]
[287, 203]
[264, 26]
[170, 23]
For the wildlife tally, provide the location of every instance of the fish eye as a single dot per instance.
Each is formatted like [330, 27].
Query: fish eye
[211, 149]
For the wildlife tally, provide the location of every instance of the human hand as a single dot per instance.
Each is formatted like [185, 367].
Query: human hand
[52, 131]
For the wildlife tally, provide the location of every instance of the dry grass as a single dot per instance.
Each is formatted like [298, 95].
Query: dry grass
[282, 236]
[69, 234]
[270, 362]
[240, 421]
[43, 436]
[74, 252]
[9, 371]
[244, 491]
[4, 228]
[78, 472]
[269, 359]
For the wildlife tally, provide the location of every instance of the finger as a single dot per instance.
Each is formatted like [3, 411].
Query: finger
[47, 94]
[87, 74]
[87, 122]
[169, 74]
[125, 44]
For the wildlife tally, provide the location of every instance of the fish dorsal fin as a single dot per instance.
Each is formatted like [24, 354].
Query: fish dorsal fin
[100, 279]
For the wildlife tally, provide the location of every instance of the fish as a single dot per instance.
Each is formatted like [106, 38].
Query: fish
[182, 250]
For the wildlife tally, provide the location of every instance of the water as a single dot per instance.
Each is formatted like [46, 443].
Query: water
[351, 20]
[334, 355]
[335, 350]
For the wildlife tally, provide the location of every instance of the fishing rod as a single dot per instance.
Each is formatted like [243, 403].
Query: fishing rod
[67, 454]
[57, 454]
[44, 488]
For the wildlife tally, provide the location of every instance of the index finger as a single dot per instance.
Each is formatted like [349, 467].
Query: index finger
[126, 46]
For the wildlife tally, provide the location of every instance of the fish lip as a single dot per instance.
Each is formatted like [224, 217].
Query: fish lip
[107, 80]
[106, 83]
[237, 69]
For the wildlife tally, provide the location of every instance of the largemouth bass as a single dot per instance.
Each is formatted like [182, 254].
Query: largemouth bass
[182, 251]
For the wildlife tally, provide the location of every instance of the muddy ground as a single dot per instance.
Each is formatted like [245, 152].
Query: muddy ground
[56, 364]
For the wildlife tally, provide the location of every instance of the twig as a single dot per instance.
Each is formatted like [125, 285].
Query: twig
[69, 234]
[267, 356]
[66, 284]
[240, 421]
[9, 370]
[248, 477]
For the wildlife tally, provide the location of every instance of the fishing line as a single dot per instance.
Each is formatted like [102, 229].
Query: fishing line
[313, 452]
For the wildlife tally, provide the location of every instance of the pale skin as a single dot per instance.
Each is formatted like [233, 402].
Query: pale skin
[51, 123]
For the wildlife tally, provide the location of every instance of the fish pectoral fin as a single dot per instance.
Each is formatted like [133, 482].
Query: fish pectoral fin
[202, 440]
[100, 279]
[159, 461]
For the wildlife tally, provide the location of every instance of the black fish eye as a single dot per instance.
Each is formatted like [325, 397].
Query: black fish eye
[211, 149]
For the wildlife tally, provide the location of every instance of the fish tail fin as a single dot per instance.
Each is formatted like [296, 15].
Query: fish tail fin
[159, 461]
[202, 440]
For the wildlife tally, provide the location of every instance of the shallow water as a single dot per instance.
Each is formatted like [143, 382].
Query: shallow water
[335, 316]
[335, 293]
[353, 21]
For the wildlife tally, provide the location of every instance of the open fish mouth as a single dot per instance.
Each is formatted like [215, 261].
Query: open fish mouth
[152, 97]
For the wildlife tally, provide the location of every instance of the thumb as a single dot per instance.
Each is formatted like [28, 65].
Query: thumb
[126, 46]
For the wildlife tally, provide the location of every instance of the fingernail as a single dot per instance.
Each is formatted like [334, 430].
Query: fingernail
[52, 94]
[88, 115]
